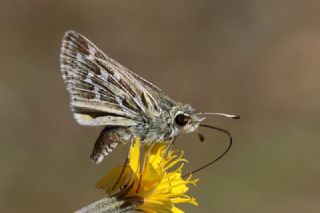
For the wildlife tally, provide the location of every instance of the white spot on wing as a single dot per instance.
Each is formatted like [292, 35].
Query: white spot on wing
[79, 56]
[91, 56]
[90, 74]
[104, 76]
[117, 75]
[88, 80]
[119, 100]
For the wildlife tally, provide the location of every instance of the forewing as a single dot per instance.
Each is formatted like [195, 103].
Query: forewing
[97, 95]
[101, 88]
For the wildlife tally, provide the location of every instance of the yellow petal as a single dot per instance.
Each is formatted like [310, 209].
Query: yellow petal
[134, 156]
[155, 153]
[108, 181]
[185, 199]
[177, 210]
[175, 159]
[160, 204]
[150, 177]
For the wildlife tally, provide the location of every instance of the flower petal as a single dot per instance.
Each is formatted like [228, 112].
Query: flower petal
[108, 181]
[134, 156]
[177, 210]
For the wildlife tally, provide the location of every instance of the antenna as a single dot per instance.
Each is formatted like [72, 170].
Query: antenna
[220, 114]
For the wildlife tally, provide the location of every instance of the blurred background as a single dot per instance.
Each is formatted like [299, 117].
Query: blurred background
[259, 59]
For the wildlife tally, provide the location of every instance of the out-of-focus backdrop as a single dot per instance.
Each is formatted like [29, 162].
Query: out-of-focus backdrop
[259, 59]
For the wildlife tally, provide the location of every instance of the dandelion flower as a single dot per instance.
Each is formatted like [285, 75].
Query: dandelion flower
[151, 182]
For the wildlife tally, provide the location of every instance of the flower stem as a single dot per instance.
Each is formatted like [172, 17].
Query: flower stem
[108, 205]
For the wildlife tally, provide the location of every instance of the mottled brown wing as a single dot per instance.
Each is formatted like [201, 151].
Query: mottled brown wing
[102, 91]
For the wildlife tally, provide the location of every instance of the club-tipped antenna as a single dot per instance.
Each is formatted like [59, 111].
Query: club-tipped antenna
[201, 137]
[220, 114]
[218, 158]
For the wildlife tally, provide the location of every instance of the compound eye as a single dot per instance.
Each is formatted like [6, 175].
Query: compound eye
[182, 119]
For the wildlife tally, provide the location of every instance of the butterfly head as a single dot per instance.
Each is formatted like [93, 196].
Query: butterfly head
[187, 119]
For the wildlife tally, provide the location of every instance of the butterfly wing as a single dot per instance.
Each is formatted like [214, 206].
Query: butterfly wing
[102, 91]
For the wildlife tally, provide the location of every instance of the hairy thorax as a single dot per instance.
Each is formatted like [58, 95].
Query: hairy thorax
[157, 129]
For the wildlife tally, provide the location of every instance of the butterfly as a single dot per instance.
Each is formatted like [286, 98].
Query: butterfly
[105, 93]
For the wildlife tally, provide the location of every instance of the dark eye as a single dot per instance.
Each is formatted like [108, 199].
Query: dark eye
[182, 119]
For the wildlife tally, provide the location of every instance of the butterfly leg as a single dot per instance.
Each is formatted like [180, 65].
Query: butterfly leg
[121, 173]
[124, 166]
[145, 161]
[108, 140]
[169, 146]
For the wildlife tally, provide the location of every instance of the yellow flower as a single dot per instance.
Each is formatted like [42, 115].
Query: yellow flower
[154, 184]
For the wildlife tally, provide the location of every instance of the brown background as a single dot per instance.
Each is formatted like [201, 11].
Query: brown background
[259, 59]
